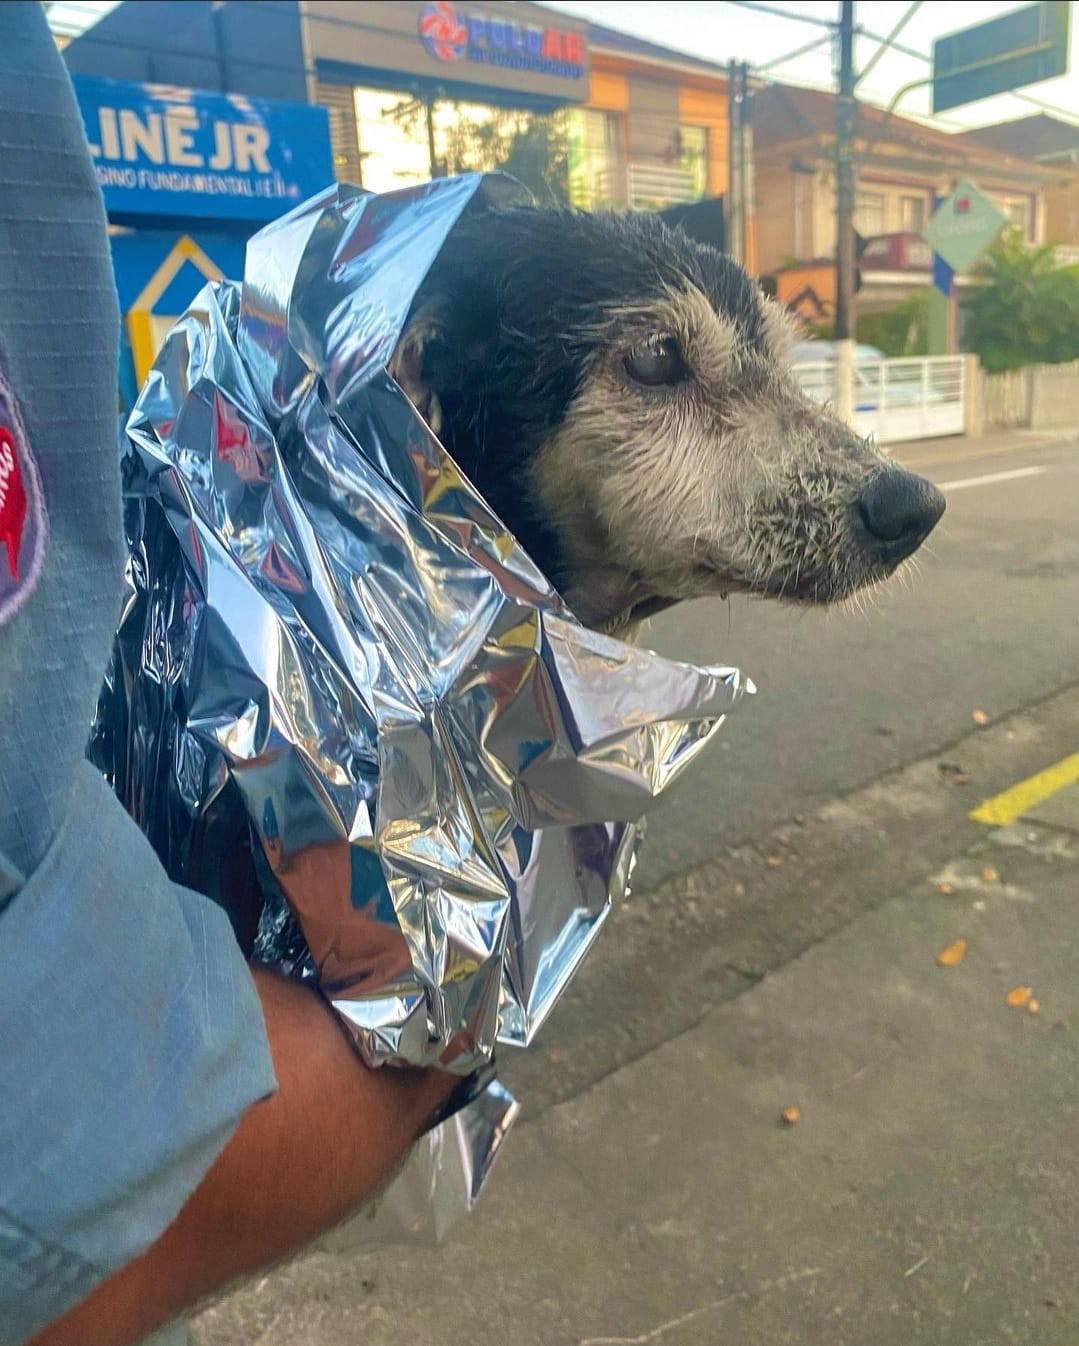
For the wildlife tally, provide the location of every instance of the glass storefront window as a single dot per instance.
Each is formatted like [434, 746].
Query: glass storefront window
[472, 138]
[392, 131]
[597, 165]
[396, 143]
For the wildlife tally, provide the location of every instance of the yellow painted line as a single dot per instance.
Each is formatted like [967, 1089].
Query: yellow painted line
[1011, 804]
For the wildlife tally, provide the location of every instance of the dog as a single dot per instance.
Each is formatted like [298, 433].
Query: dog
[621, 396]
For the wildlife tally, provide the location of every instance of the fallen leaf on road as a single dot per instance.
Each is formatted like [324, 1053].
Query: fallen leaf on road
[946, 888]
[1033, 1007]
[990, 874]
[980, 716]
[953, 772]
[791, 1116]
[775, 861]
[954, 953]
[1018, 997]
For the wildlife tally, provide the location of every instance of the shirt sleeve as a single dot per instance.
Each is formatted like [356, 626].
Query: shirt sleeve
[132, 1044]
[131, 1036]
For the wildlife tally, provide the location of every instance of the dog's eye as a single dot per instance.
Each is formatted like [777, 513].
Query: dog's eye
[656, 363]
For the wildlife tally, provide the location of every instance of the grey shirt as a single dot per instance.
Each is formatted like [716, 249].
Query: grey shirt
[131, 1040]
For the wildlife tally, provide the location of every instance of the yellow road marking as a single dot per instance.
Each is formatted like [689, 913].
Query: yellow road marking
[1011, 804]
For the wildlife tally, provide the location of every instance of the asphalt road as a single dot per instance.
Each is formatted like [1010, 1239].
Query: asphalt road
[989, 621]
[782, 949]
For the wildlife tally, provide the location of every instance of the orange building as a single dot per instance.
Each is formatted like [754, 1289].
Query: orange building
[662, 116]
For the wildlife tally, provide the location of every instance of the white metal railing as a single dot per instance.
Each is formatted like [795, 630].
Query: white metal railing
[896, 400]
[652, 185]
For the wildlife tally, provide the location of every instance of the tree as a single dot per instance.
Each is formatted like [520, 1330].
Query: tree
[902, 329]
[1026, 310]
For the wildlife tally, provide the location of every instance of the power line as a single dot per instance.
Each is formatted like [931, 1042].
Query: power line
[1068, 115]
[887, 43]
[778, 13]
[1072, 118]
[792, 55]
[898, 46]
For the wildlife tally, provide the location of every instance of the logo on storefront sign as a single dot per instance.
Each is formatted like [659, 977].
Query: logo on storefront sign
[488, 39]
[443, 33]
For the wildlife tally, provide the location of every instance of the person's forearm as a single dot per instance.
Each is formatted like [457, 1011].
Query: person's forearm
[297, 1165]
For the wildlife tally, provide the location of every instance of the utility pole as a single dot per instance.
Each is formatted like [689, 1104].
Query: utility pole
[746, 163]
[846, 112]
[735, 175]
[739, 205]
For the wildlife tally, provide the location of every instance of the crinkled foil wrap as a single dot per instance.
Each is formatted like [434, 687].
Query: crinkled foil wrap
[342, 700]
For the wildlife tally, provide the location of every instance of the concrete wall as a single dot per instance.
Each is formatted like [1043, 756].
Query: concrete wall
[1039, 397]
[1054, 397]
[1005, 398]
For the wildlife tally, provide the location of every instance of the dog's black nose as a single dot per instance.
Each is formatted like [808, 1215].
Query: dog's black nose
[900, 510]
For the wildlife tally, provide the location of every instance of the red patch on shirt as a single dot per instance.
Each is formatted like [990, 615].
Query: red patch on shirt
[24, 525]
[12, 500]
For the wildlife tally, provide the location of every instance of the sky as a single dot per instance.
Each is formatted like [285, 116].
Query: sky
[718, 31]
[721, 31]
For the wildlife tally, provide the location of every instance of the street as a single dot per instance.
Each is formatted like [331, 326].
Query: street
[780, 951]
[988, 620]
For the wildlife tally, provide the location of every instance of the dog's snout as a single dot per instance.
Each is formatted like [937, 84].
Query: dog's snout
[900, 510]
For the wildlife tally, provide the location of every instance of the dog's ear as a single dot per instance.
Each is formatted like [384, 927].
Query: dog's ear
[424, 365]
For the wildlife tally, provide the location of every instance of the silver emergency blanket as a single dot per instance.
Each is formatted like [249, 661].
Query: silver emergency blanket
[343, 701]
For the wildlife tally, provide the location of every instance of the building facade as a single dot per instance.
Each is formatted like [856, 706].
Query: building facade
[903, 169]
[582, 114]
[420, 88]
[1052, 143]
[187, 177]
[393, 94]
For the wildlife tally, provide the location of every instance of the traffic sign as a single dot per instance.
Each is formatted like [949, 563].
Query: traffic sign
[963, 226]
[1019, 48]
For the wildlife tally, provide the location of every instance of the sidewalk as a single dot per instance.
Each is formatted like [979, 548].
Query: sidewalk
[929, 1192]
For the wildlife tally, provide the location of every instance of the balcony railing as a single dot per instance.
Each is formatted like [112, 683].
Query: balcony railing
[652, 186]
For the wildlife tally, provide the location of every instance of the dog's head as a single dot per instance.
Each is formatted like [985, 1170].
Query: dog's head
[622, 397]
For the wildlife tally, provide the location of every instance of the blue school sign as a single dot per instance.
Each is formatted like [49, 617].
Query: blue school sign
[182, 153]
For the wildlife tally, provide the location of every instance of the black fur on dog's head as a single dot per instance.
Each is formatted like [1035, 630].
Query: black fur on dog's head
[620, 396]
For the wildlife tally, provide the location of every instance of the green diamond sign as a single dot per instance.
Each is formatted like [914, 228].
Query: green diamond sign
[963, 226]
